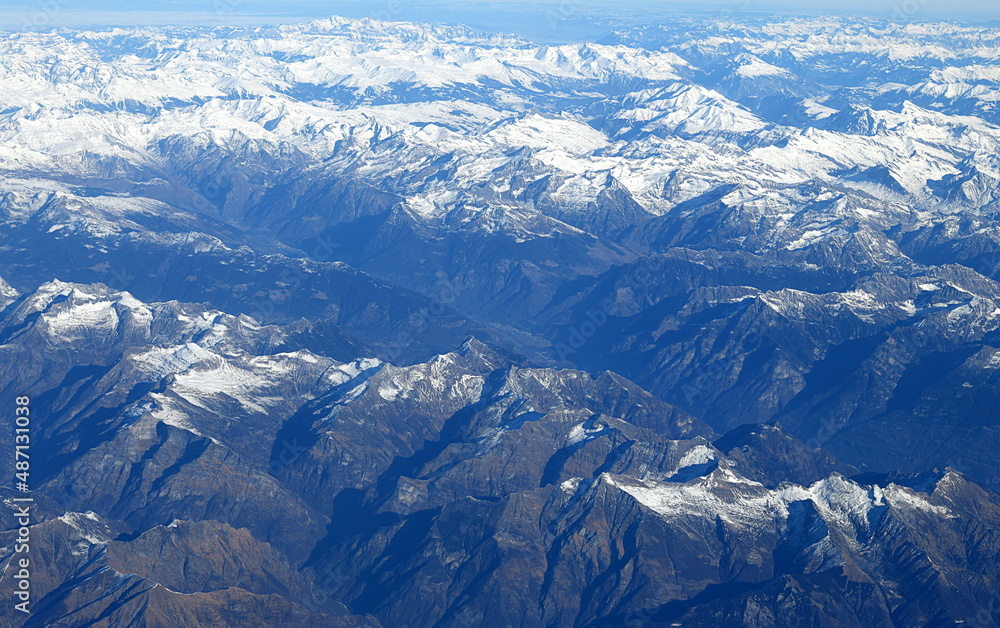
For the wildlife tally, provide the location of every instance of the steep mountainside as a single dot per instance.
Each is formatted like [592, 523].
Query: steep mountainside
[192, 472]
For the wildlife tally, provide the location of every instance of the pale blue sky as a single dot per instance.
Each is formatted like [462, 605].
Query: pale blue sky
[541, 19]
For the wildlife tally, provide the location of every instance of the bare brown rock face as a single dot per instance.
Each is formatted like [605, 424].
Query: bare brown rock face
[219, 484]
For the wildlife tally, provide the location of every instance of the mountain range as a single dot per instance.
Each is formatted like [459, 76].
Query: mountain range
[362, 323]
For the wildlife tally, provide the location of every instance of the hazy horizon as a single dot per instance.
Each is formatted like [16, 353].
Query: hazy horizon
[554, 20]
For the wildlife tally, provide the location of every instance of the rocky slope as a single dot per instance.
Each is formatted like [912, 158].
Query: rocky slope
[194, 474]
